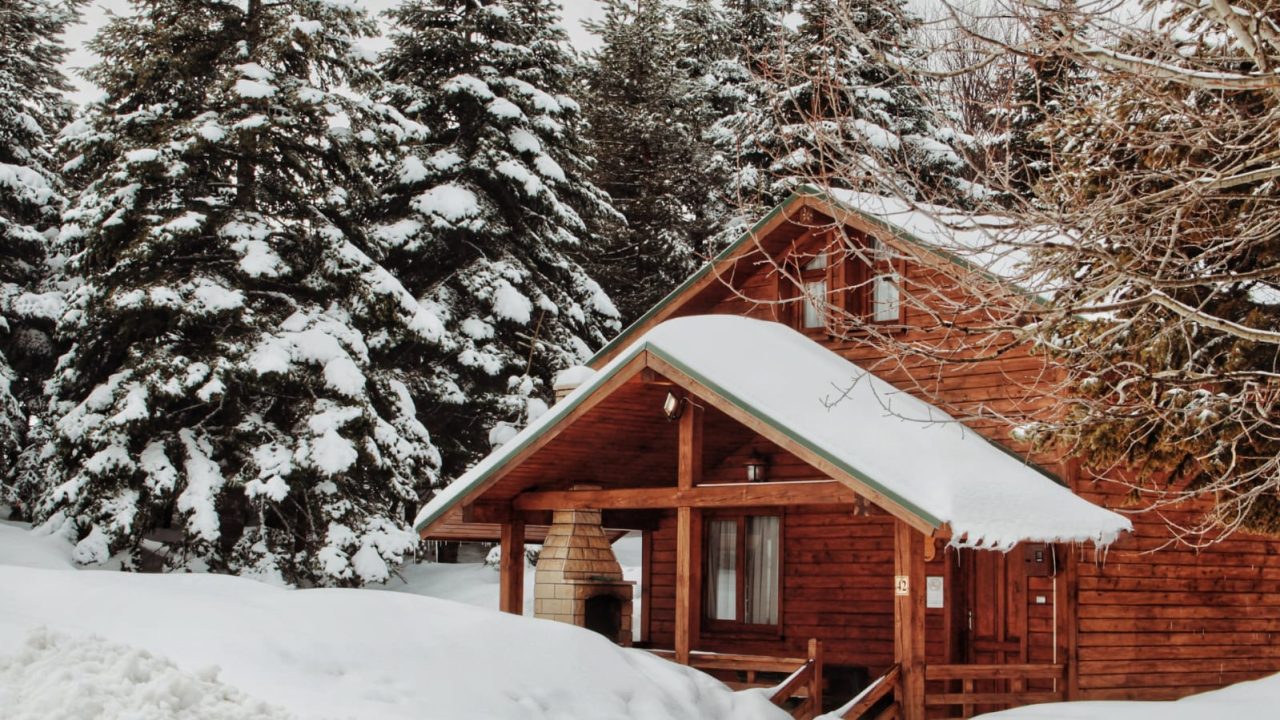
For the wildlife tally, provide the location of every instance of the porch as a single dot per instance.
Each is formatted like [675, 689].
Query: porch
[835, 552]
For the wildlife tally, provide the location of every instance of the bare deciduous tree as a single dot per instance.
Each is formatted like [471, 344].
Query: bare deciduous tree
[1146, 244]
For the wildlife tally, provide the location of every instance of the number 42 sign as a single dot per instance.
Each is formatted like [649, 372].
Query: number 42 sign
[901, 585]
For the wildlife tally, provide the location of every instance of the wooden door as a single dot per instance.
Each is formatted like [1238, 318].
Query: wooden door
[997, 608]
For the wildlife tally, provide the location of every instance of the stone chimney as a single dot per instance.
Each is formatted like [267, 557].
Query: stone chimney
[578, 579]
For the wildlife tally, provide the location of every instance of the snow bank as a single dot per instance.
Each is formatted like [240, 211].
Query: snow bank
[54, 675]
[910, 451]
[1245, 701]
[22, 548]
[319, 653]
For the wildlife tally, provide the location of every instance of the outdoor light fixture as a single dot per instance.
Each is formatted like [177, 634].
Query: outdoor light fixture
[756, 468]
[672, 407]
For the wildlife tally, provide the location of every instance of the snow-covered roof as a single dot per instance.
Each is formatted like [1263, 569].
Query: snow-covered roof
[993, 244]
[881, 438]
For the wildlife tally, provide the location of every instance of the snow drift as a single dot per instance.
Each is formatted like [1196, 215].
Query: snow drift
[314, 653]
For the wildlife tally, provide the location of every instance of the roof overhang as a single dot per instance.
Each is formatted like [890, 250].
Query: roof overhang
[879, 453]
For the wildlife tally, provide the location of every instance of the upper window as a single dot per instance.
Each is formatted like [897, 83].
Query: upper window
[813, 300]
[742, 570]
[838, 280]
[886, 299]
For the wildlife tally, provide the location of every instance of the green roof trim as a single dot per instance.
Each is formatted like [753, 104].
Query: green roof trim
[801, 191]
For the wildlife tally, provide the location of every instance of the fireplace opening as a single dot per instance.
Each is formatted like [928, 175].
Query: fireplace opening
[603, 614]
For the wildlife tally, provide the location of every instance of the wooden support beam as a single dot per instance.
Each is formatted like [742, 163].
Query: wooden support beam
[646, 586]
[685, 618]
[493, 512]
[908, 617]
[815, 679]
[689, 472]
[511, 569]
[791, 445]
[688, 535]
[1069, 612]
[764, 494]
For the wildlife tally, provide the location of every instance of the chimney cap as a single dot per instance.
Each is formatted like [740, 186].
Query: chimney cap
[571, 378]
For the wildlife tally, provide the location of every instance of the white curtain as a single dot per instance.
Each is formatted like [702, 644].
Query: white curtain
[815, 303]
[886, 299]
[762, 570]
[721, 579]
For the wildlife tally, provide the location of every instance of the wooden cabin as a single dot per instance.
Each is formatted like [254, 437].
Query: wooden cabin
[829, 515]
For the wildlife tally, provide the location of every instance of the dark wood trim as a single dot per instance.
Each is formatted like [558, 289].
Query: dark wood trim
[646, 585]
[718, 495]
[511, 569]
[740, 629]
[1070, 588]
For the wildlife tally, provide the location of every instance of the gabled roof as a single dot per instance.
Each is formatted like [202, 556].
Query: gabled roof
[907, 456]
[971, 244]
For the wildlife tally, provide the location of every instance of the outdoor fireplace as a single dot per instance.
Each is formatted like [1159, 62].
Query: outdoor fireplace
[578, 579]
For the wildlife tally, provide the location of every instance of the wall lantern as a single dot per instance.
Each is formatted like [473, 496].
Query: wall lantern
[757, 468]
[672, 407]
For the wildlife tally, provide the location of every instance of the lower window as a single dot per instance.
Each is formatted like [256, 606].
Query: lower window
[742, 569]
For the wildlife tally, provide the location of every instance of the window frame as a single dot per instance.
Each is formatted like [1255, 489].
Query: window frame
[850, 274]
[731, 628]
[888, 265]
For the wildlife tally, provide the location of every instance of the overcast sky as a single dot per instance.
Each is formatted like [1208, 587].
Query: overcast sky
[95, 16]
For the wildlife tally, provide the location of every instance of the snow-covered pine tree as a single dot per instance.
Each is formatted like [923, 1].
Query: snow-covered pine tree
[490, 213]
[647, 123]
[1021, 154]
[725, 50]
[32, 108]
[237, 367]
[840, 111]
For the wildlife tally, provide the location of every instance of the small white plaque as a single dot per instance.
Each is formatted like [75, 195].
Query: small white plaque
[933, 591]
[901, 585]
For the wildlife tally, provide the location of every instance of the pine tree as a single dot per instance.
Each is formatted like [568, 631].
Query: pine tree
[32, 108]
[647, 121]
[239, 368]
[491, 209]
[728, 52]
[1022, 152]
[841, 112]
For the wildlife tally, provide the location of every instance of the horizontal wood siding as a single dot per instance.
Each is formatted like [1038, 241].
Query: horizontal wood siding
[1175, 621]
[1153, 620]
[837, 587]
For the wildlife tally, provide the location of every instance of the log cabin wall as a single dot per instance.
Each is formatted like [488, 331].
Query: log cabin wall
[837, 586]
[1141, 625]
[1166, 624]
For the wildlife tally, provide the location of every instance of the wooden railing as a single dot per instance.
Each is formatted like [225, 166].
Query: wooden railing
[871, 696]
[803, 681]
[1011, 683]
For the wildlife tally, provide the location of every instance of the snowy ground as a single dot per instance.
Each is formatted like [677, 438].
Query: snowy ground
[1242, 701]
[109, 646]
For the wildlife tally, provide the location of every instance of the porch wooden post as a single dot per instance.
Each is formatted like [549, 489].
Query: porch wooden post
[908, 617]
[688, 536]
[511, 569]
